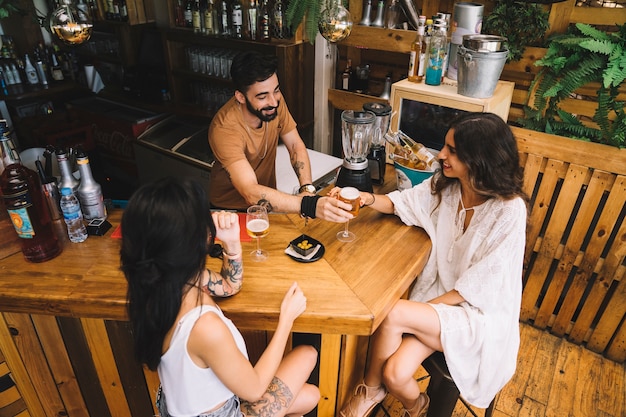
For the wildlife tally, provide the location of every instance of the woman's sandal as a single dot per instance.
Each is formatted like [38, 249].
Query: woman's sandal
[421, 411]
[363, 401]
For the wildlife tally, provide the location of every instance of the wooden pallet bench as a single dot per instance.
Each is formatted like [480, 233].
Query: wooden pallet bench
[574, 266]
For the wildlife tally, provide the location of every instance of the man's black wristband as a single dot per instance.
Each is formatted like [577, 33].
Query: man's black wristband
[308, 205]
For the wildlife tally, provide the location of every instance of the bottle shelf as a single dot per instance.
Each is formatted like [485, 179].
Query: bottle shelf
[348, 100]
[367, 37]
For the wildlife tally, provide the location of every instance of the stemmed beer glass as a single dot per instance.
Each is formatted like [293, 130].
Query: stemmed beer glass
[257, 226]
[351, 196]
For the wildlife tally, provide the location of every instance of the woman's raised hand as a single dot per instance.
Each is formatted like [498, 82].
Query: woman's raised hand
[226, 226]
[294, 303]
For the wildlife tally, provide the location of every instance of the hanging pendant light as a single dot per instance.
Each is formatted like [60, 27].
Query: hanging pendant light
[70, 24]
[335, 22]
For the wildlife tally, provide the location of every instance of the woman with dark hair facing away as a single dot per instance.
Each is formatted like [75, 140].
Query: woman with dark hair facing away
[466, 301]
[179, 330]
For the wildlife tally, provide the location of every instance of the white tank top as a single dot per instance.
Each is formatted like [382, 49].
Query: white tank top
[189, 389]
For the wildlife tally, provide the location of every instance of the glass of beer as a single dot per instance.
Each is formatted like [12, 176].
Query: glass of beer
[257, 226]
[351, 196]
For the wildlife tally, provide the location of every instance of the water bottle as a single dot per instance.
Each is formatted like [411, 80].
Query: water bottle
[72, 215]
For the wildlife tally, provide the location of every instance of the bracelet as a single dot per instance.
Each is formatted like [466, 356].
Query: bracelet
[308, 206]
[373, 200]
[265, 203]
[231, 255]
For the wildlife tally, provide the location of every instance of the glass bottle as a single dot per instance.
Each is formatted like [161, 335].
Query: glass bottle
[418, 52]
[225, 27]
[24, 200]
[179, 13]
[366, 20]
[380, 15]
[89, 191]
[386, 88]
[209, 29]
[31, 72]
[392, 15]
[237, 19]
[188, 14]
[436, 56]
[264, 22]
[346, 76]
[123, 11]
[278, 22]
[56, 71]
[195, 17]
[253, 12]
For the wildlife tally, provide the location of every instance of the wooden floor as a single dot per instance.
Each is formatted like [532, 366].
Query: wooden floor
[553, 378]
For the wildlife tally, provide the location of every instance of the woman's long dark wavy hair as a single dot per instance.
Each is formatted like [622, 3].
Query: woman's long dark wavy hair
[485, 143]
[167, 231]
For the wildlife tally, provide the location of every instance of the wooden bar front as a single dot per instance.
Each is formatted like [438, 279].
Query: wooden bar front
[65, 336]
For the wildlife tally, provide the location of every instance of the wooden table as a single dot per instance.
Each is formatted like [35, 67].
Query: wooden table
[349, 291]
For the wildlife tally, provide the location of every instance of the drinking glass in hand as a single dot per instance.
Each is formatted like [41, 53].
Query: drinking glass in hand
[257, 226]
[351, 196]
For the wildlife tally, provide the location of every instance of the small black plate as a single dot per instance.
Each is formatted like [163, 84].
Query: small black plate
[318, 255]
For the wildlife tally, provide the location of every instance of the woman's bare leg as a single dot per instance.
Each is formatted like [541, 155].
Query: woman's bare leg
[406, 317]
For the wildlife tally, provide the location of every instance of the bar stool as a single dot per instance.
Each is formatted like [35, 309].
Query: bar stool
[442, 390]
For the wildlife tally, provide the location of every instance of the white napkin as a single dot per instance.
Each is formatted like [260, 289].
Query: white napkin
[292, 252]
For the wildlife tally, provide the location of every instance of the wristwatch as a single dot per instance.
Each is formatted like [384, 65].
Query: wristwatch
[309, 188]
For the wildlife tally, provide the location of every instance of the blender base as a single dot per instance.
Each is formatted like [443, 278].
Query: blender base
[358, 178]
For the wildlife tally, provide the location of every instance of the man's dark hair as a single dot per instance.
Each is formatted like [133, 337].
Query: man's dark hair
[249, 67]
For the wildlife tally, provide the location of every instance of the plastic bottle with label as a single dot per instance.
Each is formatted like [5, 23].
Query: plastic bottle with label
[89, 191]
[24, 200]
[67, 179]
[73, 216]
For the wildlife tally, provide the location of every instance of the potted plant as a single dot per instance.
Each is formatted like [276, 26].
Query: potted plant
[581, 56]
[521, 23]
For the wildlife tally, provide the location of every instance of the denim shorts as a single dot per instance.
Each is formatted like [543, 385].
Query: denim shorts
[229, 409]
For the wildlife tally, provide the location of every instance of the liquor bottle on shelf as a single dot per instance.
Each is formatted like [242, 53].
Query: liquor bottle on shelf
[366, 20]
[24, 200]
[123, 11]
[237, 19]
[188, 14]
[253, 14]
[16, 74]
[418, 53]
[386, 88]
[264, 22]
[55, 70]
[179, 13]
[380, 14]
[208, 18]
[346, 76]
[8, 75]
[436, 56]
[89, 191]
[225, 26]
[195, 17]
[278, 21]
[31, 72]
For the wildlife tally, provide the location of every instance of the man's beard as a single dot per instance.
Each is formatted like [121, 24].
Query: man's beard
[259, 113]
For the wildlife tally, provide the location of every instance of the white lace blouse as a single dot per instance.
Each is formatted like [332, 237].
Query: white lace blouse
[480, 337]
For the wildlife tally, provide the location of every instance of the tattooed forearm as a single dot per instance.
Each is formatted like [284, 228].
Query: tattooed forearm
[230, 279]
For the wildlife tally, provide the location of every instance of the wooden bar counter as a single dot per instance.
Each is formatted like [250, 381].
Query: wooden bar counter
[65, 338]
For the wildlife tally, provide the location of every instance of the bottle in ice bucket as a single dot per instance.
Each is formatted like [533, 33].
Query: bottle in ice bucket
[26, 204]
[426, 159]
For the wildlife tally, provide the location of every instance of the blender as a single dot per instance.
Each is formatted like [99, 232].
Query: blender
[356, 136]
[377, 154]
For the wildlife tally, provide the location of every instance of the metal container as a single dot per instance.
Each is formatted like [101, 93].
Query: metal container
[484, 43]
[479, 72]
[467, 18]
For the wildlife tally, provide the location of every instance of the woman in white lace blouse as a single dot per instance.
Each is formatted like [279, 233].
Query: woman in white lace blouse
[466, 302]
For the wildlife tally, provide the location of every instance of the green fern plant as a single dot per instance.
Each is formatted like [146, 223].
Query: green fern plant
[582, 55]
[523, 24]
[297, 10]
